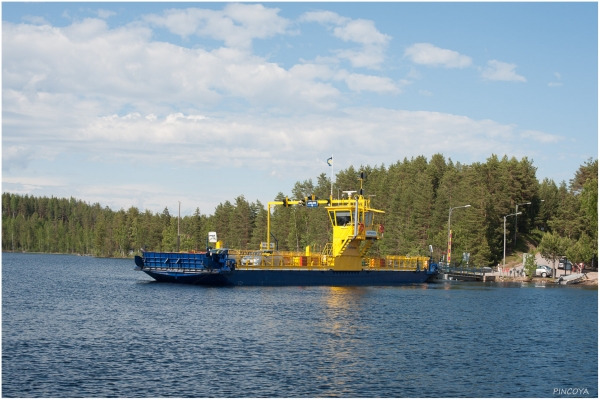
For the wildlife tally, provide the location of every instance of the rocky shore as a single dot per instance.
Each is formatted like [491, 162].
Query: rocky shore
[592, 279]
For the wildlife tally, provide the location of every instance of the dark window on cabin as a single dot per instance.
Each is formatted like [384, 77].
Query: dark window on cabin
[342, 218]
[368, 218]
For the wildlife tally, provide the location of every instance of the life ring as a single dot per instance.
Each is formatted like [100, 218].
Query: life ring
[361, 227]
[380, 228]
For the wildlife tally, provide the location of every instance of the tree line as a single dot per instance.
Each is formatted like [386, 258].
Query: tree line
[416, 195]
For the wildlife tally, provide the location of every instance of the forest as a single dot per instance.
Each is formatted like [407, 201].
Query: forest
[416, 195]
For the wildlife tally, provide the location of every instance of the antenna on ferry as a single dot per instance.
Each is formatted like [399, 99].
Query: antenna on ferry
[349, 192]
[330, 163]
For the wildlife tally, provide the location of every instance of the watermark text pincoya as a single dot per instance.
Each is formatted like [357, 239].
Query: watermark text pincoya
[571, 391]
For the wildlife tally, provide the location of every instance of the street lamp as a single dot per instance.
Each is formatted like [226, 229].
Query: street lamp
[517, 212]
[504, 258]
[449, 216]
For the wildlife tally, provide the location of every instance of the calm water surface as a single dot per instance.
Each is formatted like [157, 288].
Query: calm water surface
[86, 327]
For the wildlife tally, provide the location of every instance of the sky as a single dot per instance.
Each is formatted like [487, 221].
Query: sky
[151, 104]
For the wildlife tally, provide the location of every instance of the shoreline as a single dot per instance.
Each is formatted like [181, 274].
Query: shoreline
[65, 254]
[592, 279]
[592, 276]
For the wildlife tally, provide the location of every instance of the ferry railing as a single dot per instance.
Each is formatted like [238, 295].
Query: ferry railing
[293, 260]
[328, 250]
[444, 268]
[398, 263]
[178, 262]
[323, 260]
[280, 260]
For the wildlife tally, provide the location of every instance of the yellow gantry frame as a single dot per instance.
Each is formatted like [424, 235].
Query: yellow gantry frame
[346, 242]
[285, 202]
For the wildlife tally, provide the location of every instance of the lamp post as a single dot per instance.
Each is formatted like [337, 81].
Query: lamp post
[516, 213]
[450, 216]
[504, 258]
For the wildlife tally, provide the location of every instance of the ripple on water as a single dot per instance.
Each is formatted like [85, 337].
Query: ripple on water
[86, 327]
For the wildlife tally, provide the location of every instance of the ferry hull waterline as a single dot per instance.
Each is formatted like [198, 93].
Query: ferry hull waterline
[296, 278]
[345, 261]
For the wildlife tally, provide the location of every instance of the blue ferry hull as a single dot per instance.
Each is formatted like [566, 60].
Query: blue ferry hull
[294, 278]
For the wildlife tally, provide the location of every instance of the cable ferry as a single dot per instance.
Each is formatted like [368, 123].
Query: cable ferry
[342, 262]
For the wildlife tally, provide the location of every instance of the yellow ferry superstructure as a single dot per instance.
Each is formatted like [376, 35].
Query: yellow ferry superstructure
[355, 229]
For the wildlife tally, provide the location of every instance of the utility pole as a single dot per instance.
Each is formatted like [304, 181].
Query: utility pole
[178, 217]
[516, 226]
[504, 256]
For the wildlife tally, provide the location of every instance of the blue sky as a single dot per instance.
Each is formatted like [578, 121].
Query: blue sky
[148, 104]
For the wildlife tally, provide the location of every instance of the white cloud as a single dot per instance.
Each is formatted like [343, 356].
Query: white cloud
[501, 71]
[86, 30]
[33, 181]
[108, 67]
[428, 54]
[323, 17]
[28, 185]
[360, 31]
[16, 157]
[426, 93]
[248, 141]
[311, 71]
[414, 74]
[370, 83]
[556, 84]
[236, 25]
[367, 57]
[541, 137]
[104, 14]
[65, 89]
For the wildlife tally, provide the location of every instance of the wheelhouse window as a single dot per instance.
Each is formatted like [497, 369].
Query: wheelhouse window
[368, 218]
[340, 218]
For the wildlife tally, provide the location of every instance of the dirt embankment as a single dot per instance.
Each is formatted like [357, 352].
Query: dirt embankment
[592, 278]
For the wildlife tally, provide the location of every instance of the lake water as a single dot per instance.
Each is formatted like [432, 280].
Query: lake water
[87, 327]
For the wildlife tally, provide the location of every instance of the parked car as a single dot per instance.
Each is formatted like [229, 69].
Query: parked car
[543, 271]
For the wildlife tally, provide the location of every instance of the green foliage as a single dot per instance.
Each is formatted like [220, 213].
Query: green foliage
[587, 172]
[416, 195]
[535, 237]
[583, 250]
[530, 266]
[553, 246]
[169, 236]
[589, 207]
[51, 225]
